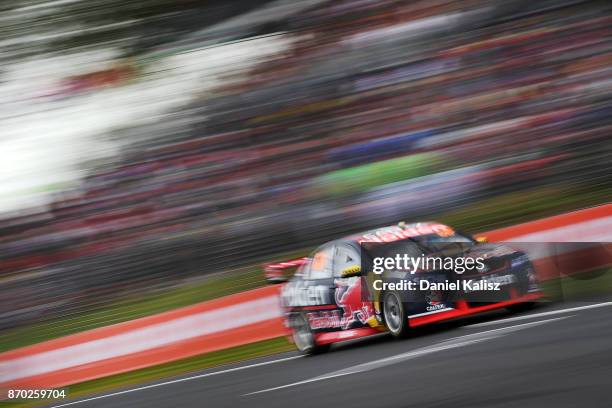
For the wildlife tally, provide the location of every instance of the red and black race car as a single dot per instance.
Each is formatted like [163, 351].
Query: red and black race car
[336, 295]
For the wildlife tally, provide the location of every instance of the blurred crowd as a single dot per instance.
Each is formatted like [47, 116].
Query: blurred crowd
[380, 111]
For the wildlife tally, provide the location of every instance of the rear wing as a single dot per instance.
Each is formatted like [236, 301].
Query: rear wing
[282, 271]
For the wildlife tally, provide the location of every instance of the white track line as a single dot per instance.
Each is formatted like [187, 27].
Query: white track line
[195, 377]
[362, 367]
[452, 343]
[536, 315]
[553, 312]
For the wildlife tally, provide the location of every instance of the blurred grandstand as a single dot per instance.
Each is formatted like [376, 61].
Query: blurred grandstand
[378, 111]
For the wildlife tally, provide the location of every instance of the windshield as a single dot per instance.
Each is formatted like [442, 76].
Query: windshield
[455, 244]
[390, 249]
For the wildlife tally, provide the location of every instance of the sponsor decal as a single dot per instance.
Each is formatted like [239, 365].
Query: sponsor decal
[325, 320]
[348, 298]
[395, 233]
[351, 270]
[433, 298]
[302, 294]
[439, 306]
[352, 310]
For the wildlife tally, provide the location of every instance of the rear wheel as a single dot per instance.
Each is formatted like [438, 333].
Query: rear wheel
[304, 338]
[395, 316]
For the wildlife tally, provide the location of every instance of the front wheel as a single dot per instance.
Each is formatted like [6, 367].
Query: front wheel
[395, 316]
[304, 338]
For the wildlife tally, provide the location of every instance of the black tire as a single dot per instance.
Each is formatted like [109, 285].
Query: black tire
[395, 317]
[303, 337]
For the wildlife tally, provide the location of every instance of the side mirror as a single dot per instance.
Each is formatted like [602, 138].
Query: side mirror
[482, 240]
[351, 271]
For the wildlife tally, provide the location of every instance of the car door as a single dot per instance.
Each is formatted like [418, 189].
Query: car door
[355, 310]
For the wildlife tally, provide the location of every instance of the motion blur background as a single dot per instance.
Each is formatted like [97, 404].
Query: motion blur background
[150, 146]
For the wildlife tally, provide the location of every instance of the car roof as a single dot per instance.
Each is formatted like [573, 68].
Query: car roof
[424, 227]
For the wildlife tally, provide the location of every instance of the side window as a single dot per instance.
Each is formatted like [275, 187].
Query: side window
[346, 260]
[321, 264]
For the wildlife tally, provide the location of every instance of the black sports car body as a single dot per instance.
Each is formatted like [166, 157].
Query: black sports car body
[335, 295]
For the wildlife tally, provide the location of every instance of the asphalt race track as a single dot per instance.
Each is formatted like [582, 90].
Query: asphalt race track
[554, 356]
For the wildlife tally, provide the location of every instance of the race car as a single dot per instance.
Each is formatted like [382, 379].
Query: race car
[337, 294]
